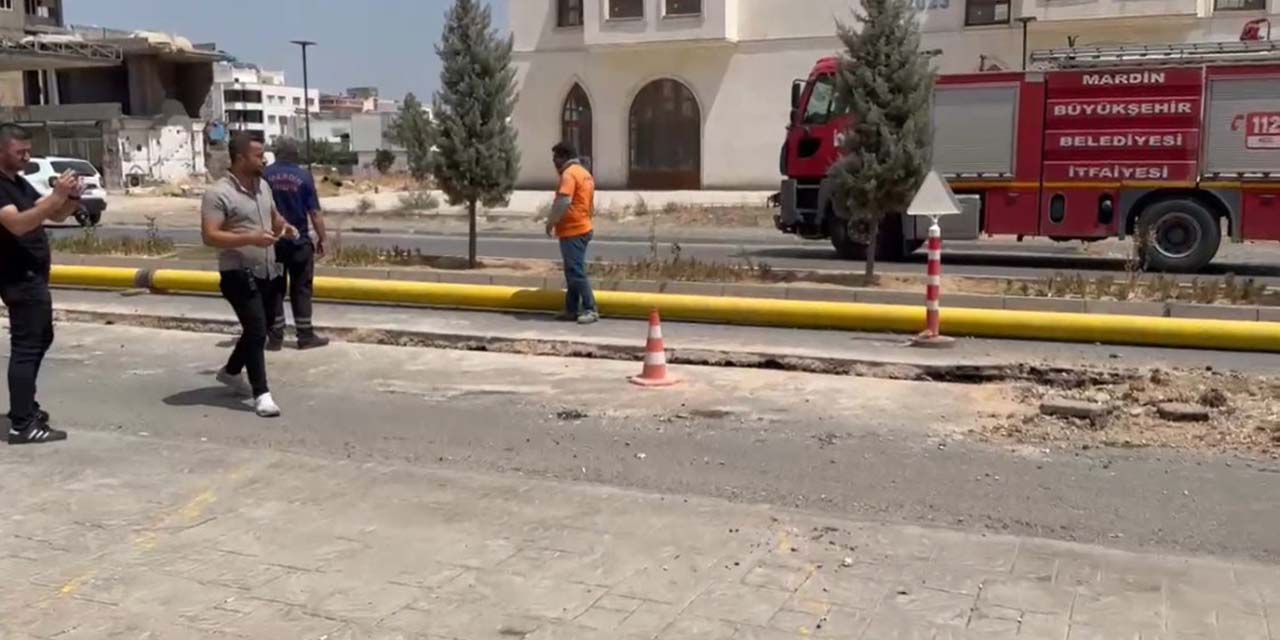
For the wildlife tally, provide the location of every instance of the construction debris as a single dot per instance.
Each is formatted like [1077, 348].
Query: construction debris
[1182, 412]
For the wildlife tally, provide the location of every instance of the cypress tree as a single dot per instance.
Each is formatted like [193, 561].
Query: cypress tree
[886, 83]
[413, 130]
[476, 162]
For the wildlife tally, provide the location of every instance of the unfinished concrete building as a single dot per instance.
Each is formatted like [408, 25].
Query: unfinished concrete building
[129, 102]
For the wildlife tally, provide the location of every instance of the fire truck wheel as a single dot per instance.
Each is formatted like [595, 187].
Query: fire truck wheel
[890, 245]
[1181, 236]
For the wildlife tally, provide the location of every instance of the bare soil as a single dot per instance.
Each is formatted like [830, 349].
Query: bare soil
[1244, 414]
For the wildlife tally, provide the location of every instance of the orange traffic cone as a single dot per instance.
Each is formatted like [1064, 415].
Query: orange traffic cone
[655, 358]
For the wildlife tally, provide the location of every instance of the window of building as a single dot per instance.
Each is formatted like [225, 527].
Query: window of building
[666, 138]
[6, 5]
[626, 9]
[575, 122]
[983, 12]
[569, 13]
[1240, 5]
[240, 116]
[684, 7]
[36, 8]
[271, 119]
[297, 102]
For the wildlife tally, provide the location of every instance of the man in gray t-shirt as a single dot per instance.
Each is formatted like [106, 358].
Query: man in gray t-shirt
[239, 218]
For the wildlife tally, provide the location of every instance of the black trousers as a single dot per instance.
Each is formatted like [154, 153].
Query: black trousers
[299, 261]
[30, 336]
[251, 298]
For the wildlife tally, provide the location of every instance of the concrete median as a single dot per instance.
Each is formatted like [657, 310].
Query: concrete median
[1031, 325]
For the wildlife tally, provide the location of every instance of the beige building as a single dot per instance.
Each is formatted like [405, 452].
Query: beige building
[690, 94]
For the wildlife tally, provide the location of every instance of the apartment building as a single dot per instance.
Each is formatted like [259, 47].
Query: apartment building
[247, 98]
[693, 94]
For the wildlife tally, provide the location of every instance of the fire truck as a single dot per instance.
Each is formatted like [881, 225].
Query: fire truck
[1178, 144]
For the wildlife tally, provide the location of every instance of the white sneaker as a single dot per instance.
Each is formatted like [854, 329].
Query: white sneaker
[266, 407]
[236, 383]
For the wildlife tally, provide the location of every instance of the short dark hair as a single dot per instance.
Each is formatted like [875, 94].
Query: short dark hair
[564, 150]
[239, 145]
[287, 151]
[10, 131]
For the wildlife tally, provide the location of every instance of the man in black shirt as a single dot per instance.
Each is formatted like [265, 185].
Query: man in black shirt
[24, 279]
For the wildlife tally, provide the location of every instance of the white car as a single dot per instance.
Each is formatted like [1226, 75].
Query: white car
[42, 171]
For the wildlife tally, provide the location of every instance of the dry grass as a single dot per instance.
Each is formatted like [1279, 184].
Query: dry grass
[1137, 285]
[88, 242]
[684, 215]
[419, 201]
[362, 256]
[1156, 288]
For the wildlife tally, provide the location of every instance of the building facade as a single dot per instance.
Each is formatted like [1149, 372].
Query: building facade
[129, 102]
[694, 94]
[250, 99]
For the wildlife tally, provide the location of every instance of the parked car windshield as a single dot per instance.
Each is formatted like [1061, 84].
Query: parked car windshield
[79, 166]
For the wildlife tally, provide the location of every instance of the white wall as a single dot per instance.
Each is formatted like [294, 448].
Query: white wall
[743, 87]
[166, 153]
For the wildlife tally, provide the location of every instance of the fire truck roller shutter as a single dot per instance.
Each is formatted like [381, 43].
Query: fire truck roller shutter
[973, 129]
[1243, 126]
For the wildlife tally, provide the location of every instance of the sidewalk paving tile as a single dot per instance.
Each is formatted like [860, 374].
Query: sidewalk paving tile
[1027, 595]
[688, 627]
[739, 603]
[649, 619]
[215, 549]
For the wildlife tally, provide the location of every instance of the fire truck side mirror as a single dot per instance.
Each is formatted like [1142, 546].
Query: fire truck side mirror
[797, 90]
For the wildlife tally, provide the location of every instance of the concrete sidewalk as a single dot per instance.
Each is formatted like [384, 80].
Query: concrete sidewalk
[822, 351]
[127, 537]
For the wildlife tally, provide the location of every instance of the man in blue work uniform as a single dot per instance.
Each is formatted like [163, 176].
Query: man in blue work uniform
[294, 191]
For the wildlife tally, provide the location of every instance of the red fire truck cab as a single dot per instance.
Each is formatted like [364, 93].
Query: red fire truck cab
[1181, 142]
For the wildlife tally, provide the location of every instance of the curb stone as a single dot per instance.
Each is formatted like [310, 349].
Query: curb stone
[780, 291]
[949, 372]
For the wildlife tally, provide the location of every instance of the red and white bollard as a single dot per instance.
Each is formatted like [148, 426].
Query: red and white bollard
[932, 335]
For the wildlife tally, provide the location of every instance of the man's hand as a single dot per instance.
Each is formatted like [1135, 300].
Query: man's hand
[320, 248]
[262, 238]
[290, 232]
[551, 230]
[67, 185]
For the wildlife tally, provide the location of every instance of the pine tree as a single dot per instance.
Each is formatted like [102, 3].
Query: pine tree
[477, 160]
[886, 83]
[413, 130]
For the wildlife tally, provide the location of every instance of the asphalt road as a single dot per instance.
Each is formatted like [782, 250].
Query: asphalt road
[857, 447]
[1002, 259]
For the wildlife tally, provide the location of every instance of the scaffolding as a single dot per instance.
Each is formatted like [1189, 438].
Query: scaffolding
[1248, 52]
[58, 52]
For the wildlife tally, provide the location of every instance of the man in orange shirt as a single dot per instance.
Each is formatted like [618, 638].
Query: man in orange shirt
[570, 221]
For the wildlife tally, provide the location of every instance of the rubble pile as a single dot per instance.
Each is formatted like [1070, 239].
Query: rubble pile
[1205, 410]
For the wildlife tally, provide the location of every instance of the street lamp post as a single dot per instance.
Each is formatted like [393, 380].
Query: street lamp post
[306, 96]
[1025, 20]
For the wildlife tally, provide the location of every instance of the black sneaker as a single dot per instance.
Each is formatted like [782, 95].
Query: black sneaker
[275, 344]
[41, 416]
[36, 432]
[312, 342]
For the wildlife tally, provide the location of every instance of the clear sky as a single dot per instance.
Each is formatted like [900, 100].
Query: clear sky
[389, 44]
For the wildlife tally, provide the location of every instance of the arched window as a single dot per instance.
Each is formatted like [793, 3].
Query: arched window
[665, 138]
[575, 123]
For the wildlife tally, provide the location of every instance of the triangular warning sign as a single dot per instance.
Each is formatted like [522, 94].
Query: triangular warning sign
[934, 198]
